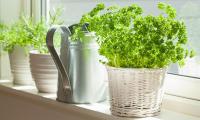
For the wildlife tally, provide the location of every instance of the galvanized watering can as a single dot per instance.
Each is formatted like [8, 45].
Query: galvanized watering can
[81, 75]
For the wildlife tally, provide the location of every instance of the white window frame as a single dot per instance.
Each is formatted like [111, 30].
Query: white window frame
[183, 86]
[39, 8]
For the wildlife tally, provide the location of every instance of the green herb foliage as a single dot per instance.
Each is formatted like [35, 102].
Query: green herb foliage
[2, 31]
[129, 39]
[28, 34]
[17, 35]
[40, 30]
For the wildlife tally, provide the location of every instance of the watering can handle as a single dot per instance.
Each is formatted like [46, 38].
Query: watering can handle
[59, 64]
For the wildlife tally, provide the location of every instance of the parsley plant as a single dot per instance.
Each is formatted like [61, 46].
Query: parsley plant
[129, 39]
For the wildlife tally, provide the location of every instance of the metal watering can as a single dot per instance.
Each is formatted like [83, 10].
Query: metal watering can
[81, 75]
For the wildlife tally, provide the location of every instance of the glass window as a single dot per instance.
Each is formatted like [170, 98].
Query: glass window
[188, 10]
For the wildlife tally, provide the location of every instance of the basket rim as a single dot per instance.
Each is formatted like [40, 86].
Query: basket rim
[139, 69]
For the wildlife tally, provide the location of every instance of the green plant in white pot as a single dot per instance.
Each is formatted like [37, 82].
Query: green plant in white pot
[43, 69]
[17, 43]
[138, 49]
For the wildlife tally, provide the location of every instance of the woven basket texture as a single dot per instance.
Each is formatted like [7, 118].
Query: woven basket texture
[135, 92]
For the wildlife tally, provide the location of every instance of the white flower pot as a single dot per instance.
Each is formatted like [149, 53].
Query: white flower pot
[135, 92]
[20, 67]
[44, 72]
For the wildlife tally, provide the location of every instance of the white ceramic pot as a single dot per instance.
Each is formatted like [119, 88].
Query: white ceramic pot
[20, 67]
[44, 72]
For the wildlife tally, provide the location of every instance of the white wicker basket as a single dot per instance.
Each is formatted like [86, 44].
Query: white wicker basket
[135, 92]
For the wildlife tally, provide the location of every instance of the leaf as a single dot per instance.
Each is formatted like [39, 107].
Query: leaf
[192, 53]
[161, 5]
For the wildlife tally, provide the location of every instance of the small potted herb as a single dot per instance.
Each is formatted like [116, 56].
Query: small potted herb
[17, 43]
[43, 69]
[138, 49]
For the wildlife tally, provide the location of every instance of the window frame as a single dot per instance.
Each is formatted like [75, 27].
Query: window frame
[182, 86]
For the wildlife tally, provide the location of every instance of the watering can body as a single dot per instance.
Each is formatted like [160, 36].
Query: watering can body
[81, 75]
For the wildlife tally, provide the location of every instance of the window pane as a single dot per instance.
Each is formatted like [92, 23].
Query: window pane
[188, 10]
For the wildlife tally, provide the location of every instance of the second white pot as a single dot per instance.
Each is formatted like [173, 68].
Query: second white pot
[44, 72]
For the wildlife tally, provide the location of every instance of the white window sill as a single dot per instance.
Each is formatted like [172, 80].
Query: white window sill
[24, 101]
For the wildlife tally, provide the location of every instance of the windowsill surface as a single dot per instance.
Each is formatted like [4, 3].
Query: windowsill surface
[98, 110]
